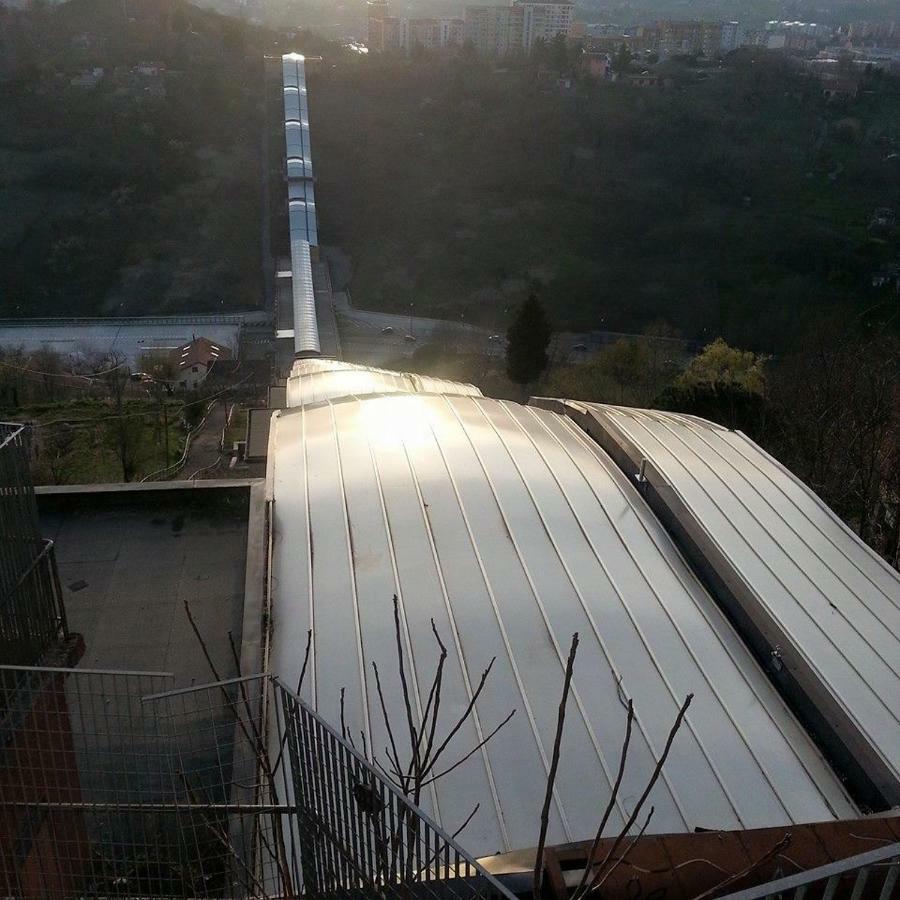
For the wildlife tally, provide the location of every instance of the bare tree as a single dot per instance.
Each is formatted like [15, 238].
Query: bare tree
[427, 750]
[597, 872]
[123, 431]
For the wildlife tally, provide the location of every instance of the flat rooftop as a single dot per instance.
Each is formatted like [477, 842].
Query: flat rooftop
[129, 555]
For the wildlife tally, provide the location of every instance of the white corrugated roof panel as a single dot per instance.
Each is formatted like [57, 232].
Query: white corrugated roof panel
[312, 380]
[427, 384]
[511, 529]
[802, 574]
[317, 386]
[306, 330]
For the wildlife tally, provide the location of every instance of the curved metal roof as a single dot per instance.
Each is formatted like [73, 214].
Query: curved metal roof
[512, 529]
[313, 380]
[804, 576]
[302, 222]
[317, 386]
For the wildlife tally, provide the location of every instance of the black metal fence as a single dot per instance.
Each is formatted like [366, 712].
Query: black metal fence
[32, 616]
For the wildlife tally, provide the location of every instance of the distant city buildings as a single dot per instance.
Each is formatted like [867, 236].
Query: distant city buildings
[387, 32]
[492, 30]
[515, 28]
[495, 30]
[544, 21]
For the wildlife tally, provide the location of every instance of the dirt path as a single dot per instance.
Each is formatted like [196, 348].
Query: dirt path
[204, 450]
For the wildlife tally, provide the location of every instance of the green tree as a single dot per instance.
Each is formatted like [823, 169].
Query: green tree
[527, 340]
[720, 364]
[725, 385]
[622, 60]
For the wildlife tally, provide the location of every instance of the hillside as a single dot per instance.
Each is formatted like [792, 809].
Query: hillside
[129, 160]
[735, 202]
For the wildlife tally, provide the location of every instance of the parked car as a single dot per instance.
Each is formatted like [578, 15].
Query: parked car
[409, 337]
[388, 329]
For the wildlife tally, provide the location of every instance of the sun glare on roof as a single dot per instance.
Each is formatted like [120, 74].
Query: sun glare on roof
[402, 418]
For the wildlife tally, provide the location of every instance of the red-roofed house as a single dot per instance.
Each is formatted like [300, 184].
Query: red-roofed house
[193, 361]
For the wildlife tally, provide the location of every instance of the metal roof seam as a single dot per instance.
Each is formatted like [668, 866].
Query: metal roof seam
[712, 609]
[722, 622]
[804, 574]
[559, 650]
[624, 605]
[800, 606]
[313, 669]
[389, 533]
[513, 664]
[813, 497]
[501, 819]
[476, 720]
[837, 690]
[767, 503]
[360, 653]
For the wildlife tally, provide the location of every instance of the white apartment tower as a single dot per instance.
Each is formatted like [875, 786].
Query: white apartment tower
[498, 30]
[544, 21]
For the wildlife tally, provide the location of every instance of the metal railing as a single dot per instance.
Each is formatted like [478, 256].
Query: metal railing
[114, 784]
[868, 876]
[357, 835]
[32, 616]
[20, 537]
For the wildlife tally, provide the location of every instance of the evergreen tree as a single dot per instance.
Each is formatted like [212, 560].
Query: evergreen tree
[621, 62]
[527, 340]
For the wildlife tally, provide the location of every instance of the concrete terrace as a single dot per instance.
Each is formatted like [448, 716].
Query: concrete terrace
[128, 556]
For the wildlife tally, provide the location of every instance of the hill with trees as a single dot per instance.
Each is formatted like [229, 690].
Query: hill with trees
[736, 202]
[129, 159]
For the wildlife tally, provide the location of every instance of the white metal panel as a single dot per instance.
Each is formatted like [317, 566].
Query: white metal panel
[512, 529]
[426, 384]
[306, 331]
[318, 386]
[835, 598]
[313, 380]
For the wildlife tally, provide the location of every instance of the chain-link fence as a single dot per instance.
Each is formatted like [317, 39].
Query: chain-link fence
[112, 784]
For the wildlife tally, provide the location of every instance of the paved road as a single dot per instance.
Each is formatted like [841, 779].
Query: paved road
[363, 340]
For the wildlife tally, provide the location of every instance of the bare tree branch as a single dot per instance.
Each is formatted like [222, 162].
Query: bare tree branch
[623, 755]
[780, 846]
[551, 776]
[657, 771]
[628, 849]
[471, 753]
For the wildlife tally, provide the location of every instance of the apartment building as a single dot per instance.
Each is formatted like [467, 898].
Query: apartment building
[544, 21]
[693, 38]
[388, 32]
[494, 30]
[498, 30]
